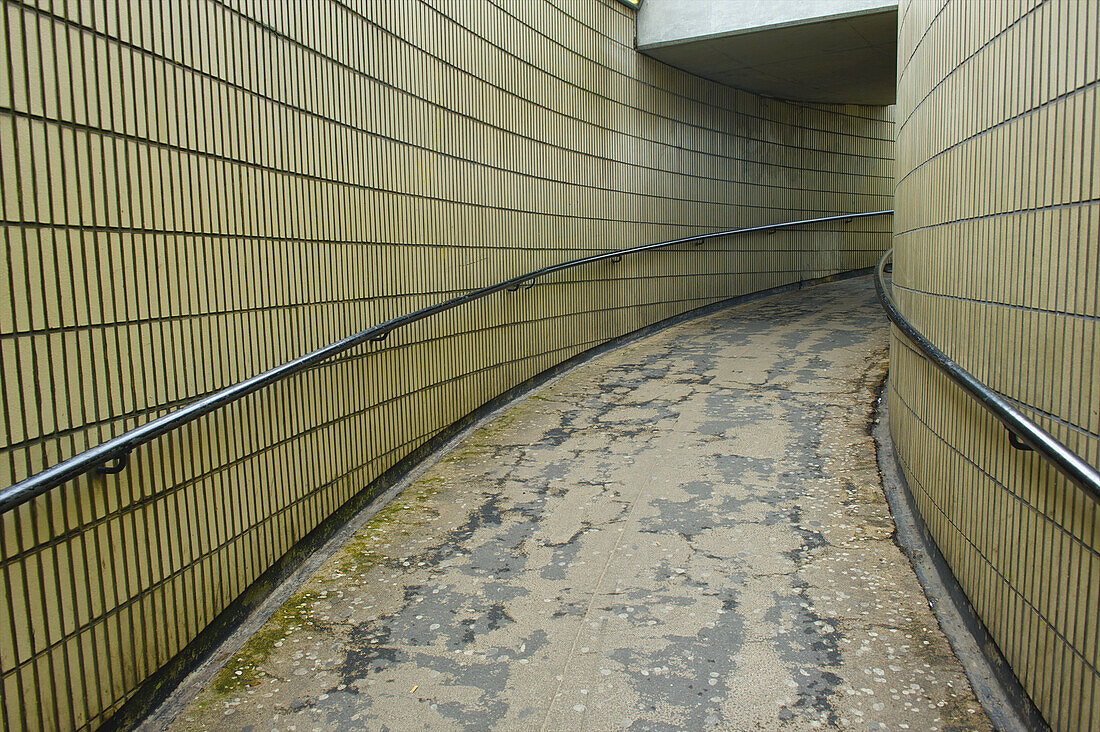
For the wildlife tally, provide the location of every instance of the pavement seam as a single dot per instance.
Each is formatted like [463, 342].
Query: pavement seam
[588, 610]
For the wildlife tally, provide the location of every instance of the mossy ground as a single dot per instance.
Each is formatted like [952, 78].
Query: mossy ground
[244, 669]
[367, 548]
[364, 551]
[483, 441]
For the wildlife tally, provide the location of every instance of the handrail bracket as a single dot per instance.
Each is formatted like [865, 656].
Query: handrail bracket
[116, 466]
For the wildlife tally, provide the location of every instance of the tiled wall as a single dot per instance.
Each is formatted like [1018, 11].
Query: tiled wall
[997, 262]
[195, 191]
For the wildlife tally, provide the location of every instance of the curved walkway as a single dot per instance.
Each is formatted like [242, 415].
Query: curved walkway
[688, 532]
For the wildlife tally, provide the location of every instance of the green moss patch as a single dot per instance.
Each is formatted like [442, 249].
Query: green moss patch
[244, 669]
[368, 547]
[364, 551]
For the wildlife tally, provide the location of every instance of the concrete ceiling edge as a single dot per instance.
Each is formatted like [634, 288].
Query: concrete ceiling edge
[765, 28]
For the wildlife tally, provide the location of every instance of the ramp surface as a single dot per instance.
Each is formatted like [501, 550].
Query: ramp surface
[688, 532]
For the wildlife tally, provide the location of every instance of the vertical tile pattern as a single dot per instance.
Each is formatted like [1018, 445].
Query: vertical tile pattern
[198, 190]
[998, 214]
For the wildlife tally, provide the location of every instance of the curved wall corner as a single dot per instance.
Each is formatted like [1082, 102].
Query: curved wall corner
[196, 192]
[997, 262]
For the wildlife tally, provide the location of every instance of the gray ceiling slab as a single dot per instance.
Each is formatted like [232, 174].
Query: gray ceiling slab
[833, 51]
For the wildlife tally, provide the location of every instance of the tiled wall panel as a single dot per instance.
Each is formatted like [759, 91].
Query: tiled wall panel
[198, 190]
[997, 262]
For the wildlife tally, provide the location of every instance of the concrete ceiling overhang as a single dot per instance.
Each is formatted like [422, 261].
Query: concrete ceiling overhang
[832, 51]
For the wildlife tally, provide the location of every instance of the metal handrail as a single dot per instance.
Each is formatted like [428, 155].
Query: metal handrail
[1020, 428]
[117, 449]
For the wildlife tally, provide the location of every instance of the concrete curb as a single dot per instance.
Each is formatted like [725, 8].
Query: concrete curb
[991, 678]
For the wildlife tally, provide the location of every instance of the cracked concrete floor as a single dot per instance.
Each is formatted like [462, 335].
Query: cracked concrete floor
[687, 532]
